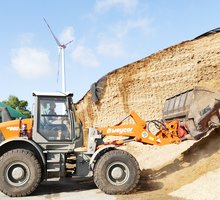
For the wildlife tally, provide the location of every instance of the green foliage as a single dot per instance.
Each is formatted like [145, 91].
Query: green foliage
[19, 105]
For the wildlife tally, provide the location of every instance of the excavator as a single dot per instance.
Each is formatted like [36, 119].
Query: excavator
[50, 146]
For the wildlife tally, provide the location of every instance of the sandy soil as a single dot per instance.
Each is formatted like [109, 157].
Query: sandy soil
[159, 182]
[204, 188]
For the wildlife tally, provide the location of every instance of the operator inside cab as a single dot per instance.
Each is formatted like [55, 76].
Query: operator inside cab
[52, 108]
[52, 111]
[54, 120]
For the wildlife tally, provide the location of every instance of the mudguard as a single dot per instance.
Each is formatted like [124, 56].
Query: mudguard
[20, 142]
[98, 152]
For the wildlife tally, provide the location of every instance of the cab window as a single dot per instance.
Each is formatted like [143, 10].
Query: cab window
[54, 121]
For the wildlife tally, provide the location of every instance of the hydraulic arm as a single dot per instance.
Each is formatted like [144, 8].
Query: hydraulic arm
[139, 131]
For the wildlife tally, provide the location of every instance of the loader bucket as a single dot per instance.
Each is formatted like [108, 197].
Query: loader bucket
[198, 108]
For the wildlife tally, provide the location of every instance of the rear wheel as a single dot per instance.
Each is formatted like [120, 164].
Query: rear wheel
[116, 172]
[20, 172]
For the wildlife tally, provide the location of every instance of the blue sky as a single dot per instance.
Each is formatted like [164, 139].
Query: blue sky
[107, 34]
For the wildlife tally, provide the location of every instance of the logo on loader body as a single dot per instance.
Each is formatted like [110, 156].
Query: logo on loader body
[119, 130]
[13, 128]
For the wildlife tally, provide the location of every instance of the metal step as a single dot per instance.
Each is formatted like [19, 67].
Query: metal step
[53, 157]
[55, 164]
[53, 161]
[53, 170]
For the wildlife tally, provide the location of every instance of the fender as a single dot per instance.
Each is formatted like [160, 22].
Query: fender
[100, 151]
[20, 142]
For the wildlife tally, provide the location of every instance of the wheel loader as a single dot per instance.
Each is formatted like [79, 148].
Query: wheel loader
[50, 145]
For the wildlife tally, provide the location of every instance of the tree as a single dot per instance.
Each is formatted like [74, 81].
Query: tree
[19, 105]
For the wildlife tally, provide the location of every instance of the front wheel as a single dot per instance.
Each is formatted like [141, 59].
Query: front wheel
[20, 173]
[116, 172]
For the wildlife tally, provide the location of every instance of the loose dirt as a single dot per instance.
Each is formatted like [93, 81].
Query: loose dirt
[158, 181]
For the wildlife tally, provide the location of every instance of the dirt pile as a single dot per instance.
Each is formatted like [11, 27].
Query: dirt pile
[144, 85]
[155, 157]
[180, 178]
[205, 187]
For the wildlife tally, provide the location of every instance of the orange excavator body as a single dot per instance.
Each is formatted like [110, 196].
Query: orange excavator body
[139, 132]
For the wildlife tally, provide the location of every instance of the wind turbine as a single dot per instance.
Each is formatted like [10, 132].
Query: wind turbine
[62, 49]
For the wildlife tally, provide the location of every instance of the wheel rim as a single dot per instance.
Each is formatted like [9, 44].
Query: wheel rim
[17, 173]
[118, 173]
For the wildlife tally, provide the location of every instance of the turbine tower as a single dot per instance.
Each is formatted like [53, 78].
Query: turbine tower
[62, 49]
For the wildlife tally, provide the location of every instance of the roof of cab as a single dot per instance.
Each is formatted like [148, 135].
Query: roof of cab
[56, 94]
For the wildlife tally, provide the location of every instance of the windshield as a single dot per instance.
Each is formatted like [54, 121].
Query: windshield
[54, 119]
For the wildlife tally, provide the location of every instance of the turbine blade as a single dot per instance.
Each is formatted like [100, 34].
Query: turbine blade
[55, 38]
[68, 43]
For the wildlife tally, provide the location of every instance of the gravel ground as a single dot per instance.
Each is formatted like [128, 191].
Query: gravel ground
[67, 189]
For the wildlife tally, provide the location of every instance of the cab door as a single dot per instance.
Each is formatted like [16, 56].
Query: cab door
[53, 123]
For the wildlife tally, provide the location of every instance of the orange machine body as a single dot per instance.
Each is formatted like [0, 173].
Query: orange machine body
[12, 129]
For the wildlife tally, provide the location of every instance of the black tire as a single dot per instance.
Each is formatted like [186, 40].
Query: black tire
[116, 172]
[20, 173]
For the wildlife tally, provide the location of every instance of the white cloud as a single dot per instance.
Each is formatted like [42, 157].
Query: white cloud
[26, 39]
[110, 48]
[113, 41]
[30, 63]
[141, 25]
[67, 35]
[85, 56]
[128, 6]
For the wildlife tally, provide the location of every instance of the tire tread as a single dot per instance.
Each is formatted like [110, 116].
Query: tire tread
[104, 158]
[28, 154]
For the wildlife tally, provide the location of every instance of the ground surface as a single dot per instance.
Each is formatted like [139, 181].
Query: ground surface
[70, 189]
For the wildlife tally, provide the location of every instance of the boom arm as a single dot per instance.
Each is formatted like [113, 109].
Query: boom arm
[139, 132]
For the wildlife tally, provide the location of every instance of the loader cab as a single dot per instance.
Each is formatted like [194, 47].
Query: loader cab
[55, 125]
